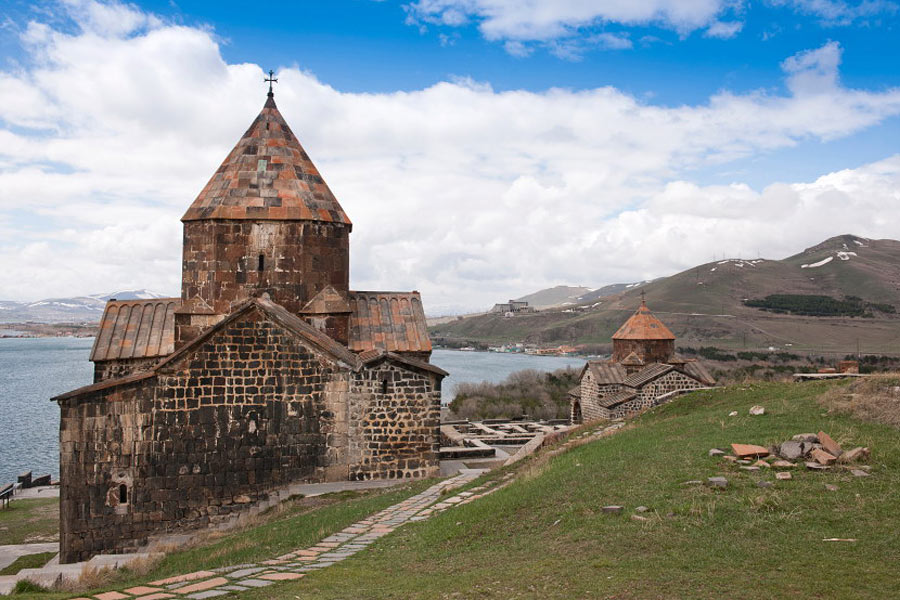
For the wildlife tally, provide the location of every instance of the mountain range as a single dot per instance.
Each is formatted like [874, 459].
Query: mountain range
[77, 309]
[706, 304]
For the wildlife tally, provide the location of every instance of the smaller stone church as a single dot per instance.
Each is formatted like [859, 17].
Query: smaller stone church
[644, 371]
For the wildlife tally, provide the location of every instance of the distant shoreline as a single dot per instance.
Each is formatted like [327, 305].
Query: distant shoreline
[48, 330]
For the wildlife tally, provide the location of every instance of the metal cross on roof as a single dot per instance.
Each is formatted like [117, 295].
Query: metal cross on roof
[643, 296]
[270, 80]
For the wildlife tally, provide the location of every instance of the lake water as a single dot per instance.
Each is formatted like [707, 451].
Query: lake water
[34, 370]
[31, 372]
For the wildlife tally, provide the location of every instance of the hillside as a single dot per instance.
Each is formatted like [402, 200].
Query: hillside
[545, 535]
[77, 309]
[537, 529]
[555, 296]
[705, 304]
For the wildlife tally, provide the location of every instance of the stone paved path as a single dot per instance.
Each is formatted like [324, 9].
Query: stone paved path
[328, 551]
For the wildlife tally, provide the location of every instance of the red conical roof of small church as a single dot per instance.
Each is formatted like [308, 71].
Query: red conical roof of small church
[643, 326]
[267, 176]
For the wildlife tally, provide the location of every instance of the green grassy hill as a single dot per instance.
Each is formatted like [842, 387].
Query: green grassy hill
[545, 536]
[704, 305]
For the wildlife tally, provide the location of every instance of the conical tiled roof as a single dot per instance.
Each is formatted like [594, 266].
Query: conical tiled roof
[267, 176]
[643, 326]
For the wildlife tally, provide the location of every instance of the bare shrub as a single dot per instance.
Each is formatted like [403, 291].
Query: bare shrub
[524, 393]
[875, 399]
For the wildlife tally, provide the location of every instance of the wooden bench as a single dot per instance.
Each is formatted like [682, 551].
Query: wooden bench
[6, 495]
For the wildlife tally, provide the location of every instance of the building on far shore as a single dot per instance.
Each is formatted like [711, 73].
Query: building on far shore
[644, 371]
[267, 371]
[512, 307]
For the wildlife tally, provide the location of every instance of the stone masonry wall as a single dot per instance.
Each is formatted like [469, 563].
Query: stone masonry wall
[649, 394]
[591, 391]
[103, 439]
[249, 410]
[395, 423]
[221, 261]
[648, 350]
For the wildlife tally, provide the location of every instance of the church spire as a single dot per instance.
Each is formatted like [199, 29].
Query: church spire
[267, 176]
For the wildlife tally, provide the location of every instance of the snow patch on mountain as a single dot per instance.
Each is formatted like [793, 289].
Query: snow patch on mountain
[815, 265]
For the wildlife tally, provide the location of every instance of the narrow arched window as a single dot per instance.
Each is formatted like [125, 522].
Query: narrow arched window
[384, 385]
[123, 494]
[262, 262]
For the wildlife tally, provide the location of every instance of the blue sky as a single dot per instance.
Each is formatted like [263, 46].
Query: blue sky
[525, 111]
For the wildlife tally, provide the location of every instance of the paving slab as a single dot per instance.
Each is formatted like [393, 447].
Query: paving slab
[201, 586]
[183, 578]
[208, 594]
[256, 583]
[142, 590]
[245, 572]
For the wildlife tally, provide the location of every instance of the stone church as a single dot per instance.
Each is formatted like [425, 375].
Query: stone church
[268, 370]
[644, 371]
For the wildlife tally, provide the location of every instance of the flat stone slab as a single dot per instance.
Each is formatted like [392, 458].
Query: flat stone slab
[256, 583]
[245, 572]
[201, 586]
[719, 482]
[749, 450]
[111, 596]
[183, 578]
[831, 446]
[822, 457]
[142, 590]
[208, 594]
[281, 576]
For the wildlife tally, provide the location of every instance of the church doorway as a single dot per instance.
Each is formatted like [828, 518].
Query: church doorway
[576, 413]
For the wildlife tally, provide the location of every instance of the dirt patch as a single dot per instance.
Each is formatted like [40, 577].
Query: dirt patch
[874, 399]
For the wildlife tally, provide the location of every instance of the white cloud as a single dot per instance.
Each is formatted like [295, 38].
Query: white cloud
[838, 12]
[460, 191]
[550, 19]
[724, 30]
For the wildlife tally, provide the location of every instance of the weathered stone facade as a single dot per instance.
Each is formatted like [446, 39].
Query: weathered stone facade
[227, 262]
[643, 372]
[396, 409]
[267, 371]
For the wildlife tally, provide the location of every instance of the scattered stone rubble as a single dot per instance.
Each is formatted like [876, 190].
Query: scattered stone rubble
[815, 451]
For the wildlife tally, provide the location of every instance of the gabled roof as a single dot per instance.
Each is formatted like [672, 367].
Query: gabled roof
[372, 357]
[647, 374]
[136, 329]
[327, 302]
[605, 372]
[698, 371]
[633, 360]
[643, 326]
[105, 385]
[391, 321]
[291, 322]
[267, 176]
[616, 398]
